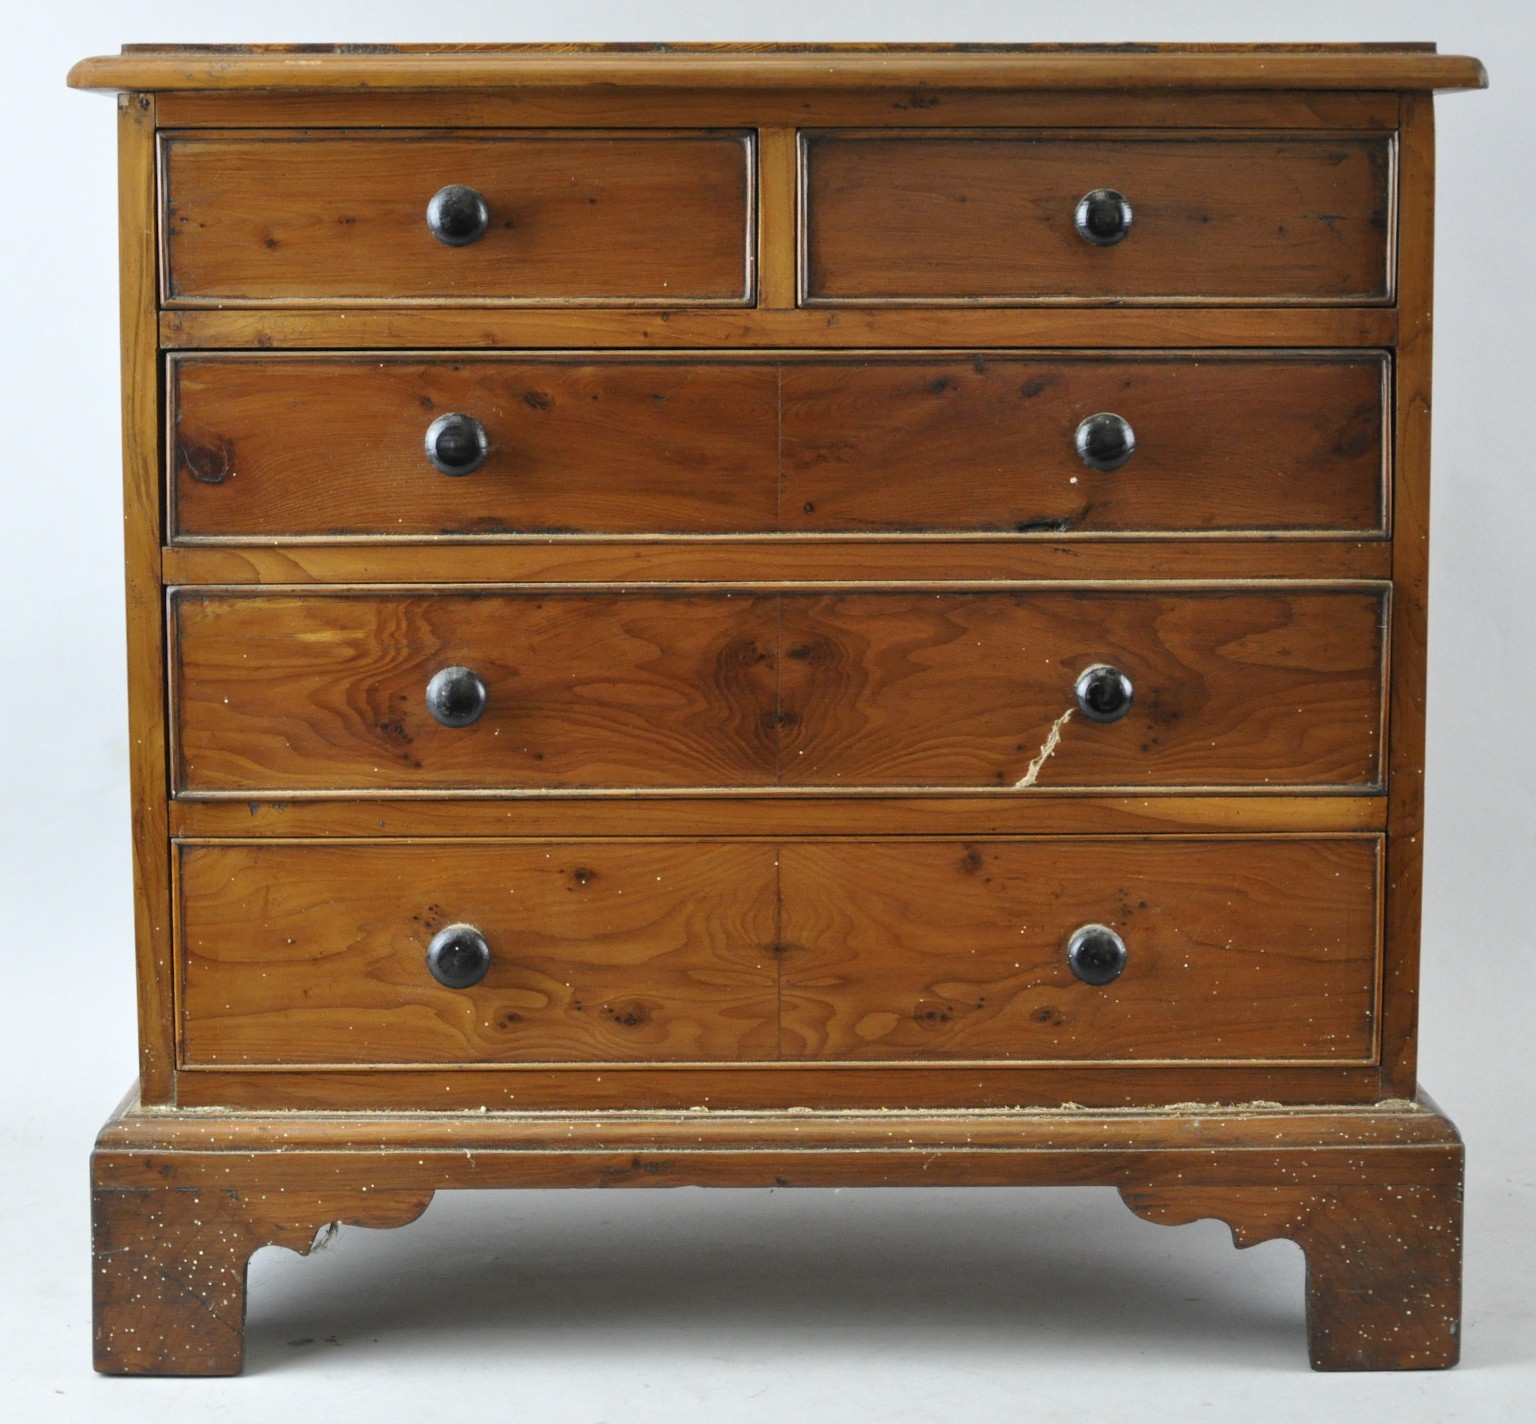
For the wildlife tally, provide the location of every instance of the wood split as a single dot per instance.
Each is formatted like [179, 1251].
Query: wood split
[1046, 748]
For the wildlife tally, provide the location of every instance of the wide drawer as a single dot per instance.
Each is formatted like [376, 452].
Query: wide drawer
[337, 216]
[326, 691]
[941, 951]
[992, 217]
[271, 447]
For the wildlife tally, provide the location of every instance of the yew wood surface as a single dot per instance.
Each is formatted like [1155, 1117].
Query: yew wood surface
[1373, 1195]
[182, 1195]
[1178, 1139]
[1233, 688]
[987, 443]
[917, 68]
[317, 953]
[655, 106]
[987, 217]
[143, 536]
[781, 1085]
[588, 689]
[624, 952]
[944, 950]
[531, 328]
[1383, 1261]
[1410, 578]
[276, 447]
[168, 1288]
[287, 692]
[783, 812]
[284, 446]
[607, 217]
[819, 559]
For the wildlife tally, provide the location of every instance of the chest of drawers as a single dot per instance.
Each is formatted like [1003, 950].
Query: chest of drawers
[776, 616]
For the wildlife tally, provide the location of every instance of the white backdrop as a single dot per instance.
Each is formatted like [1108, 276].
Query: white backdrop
[856, 1306]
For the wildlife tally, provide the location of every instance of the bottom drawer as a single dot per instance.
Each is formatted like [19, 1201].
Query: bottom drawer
[807, 952]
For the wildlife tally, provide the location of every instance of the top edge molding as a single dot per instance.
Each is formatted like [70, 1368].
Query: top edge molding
[373, 68]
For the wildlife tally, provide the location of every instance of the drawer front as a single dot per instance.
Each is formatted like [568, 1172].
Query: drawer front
[1229, 688]
[952, 689]
[992, 218]
[990, 444]
[327, 217]
[1234, 949]
[318, 953]
[267, 447]
[305, 447]
[942, 951]
[329, 692]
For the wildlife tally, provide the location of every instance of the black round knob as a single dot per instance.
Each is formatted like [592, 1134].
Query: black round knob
[458, 215]
[457, 444]
[456, 697]
[1105, 441]
[458, 956]
[1103, 217]
[1096, 954]
[1103, 693]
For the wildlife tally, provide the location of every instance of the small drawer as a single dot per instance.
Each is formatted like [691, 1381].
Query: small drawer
[298, 446]
[998, 690]
[1028, 950]
[1004, 217]
[335, 217]
[1216, 950]
[309, 954]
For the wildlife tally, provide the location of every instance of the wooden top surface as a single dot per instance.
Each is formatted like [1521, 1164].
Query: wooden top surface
[1128, 66]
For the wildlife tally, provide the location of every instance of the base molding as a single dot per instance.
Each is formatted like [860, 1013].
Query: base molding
[181, 1198]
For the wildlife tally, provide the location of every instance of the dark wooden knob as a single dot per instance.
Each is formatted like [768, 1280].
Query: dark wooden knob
[458, 215]
[1096, 954]
[1105, 441]
[1103, 217]
[456, 697]
[456, 444]
[1103, 693]
[458, 956]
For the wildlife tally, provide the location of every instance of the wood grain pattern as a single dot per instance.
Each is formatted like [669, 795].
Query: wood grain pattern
[945, 950]
[878, 559]
[1372, 1194]
[609, 952]
[598, 218]
[773, 1087]
[773, 653]
[314, 954]
[532, 328]
[148, 769]
[275, 447]
[756, 67]
[989, 218]
[775, 812]
[305, 692]
[291, 693]
[1232, 688]
[1410, 578]
[169, 1284]
[1383, 1261]
[1406, 1141]
[778, 186]
[655, 107]
[987, 444]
